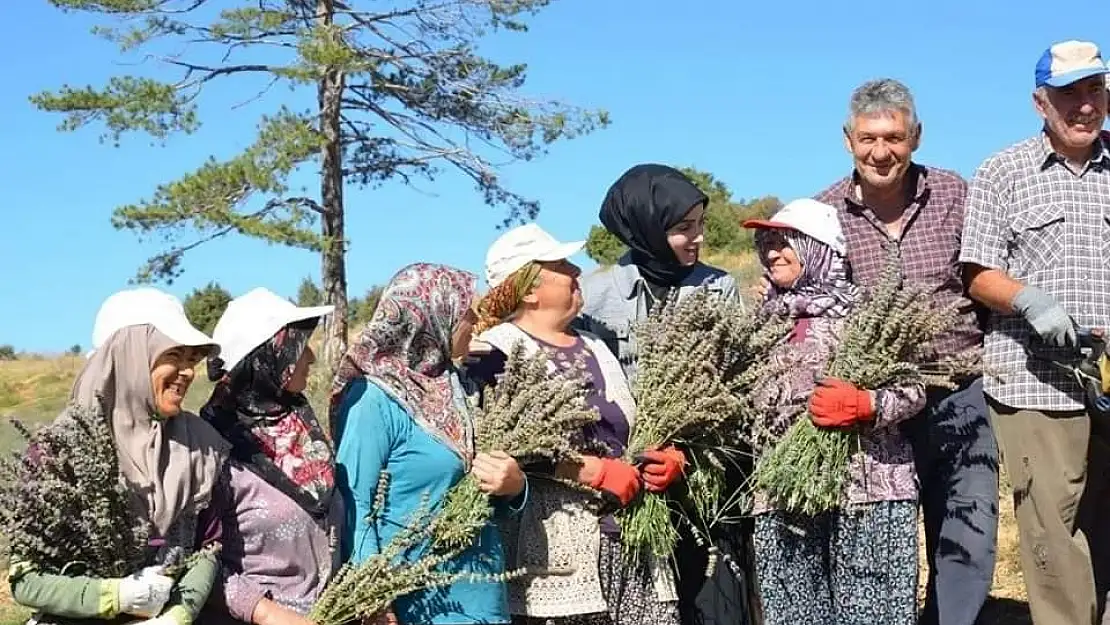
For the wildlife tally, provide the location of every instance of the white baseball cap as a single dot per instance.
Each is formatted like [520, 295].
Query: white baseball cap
[807, 216]
[147, 305]
[252, 318]
[522, 245]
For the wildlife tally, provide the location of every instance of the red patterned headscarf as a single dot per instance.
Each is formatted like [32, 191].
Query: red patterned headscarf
[275, 432]
[406, 350]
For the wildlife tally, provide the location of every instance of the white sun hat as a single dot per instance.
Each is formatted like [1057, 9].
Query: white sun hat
[817, 219]
[147, 305]
[522, 245]
[252, 318]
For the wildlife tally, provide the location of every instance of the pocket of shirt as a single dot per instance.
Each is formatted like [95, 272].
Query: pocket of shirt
[1039, 238]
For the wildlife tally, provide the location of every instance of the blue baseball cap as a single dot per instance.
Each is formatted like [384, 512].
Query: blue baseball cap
[1067, 62]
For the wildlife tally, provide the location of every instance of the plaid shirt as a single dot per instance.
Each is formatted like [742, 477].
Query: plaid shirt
[1029, 215]
[929, 245]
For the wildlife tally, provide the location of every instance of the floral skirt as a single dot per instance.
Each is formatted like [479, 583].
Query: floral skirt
[851, 567]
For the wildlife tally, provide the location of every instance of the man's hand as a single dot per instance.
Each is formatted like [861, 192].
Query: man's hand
[1046, 316]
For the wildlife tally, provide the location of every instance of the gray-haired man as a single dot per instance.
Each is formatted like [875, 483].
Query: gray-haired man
[890, 201]
[1037, 242]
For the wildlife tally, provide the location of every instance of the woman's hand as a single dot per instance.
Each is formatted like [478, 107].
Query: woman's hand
[498, 474]
[615, 478]
[661, 467]
[268, 612]
[145, 593]
[836, 404]
[381, 618]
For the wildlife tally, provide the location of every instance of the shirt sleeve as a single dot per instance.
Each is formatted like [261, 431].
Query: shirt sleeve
[984, 240]
[241, 593]
[898, 403]
[75, 596]
[192, 590]
[369, 430]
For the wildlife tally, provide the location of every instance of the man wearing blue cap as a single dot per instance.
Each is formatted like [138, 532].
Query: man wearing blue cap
[1037, 246]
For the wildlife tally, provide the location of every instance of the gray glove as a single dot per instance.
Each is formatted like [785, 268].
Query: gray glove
[1049, 320]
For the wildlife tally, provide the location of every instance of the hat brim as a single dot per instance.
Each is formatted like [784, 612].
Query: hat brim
[767, 223]
[561, 251]
[259, 333]
[183, 333]
[1067, 78]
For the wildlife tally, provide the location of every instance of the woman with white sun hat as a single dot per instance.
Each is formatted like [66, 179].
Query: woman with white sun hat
[277, 553]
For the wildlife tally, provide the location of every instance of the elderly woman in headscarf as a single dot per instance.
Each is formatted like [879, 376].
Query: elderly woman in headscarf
[276, 555]
[659, 214]
[145, 353]
[856, 565]
[577, 571]
[398, 407]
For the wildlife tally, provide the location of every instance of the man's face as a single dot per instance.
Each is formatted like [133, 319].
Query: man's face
[882, 145]
[1073, 114]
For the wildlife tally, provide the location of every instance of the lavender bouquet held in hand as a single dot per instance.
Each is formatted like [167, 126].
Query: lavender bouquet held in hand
[532, 413]
[63, 502]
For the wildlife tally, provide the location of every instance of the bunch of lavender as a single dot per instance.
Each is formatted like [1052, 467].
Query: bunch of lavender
[699, 358]
[361, 592]
[883, 343]
[63, 501]
[531, 414]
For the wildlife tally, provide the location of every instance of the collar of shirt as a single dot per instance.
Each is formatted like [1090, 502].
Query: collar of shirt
[920, 176]
[627, 277]
[1048, 156]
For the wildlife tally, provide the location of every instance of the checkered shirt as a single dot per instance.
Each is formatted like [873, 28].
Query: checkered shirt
[1029, 215]
[929, 245]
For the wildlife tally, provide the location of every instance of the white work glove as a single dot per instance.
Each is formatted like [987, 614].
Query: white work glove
[145, 593]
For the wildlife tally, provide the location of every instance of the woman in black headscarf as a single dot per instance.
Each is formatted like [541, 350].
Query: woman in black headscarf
[659, 214]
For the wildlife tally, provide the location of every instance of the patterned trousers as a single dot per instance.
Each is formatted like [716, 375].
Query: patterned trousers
[850, 567]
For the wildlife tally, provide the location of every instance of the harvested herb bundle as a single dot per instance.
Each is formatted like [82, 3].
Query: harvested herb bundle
[63, 501]
[531, 414]
[359, 593]
[881, 344]
[699, 359]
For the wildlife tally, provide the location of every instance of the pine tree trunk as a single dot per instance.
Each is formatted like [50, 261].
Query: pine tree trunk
[333, 257]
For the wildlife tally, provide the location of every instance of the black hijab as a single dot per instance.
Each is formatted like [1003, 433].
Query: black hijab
[640, 207]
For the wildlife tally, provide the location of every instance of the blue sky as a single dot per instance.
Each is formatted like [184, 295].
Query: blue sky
[753, 92]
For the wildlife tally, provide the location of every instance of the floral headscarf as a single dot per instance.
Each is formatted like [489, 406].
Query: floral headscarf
[406, 350]
[824, 288]
[275, 432]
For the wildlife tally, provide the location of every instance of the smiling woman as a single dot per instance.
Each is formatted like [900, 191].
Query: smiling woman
[142, 364]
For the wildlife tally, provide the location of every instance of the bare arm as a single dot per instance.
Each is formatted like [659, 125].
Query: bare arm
[992, 288]
[267, 612]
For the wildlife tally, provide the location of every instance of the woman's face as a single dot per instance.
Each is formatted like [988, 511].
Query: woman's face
[298, 378]
[686, 237]
[171, 376]
[464, 331]
[782, 262]
[557, 288]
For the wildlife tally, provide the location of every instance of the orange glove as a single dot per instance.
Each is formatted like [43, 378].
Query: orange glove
[836, 404]
[661, 467]
[618, 479]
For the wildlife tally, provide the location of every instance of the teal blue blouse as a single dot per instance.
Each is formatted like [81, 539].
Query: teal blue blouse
[378, 434]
